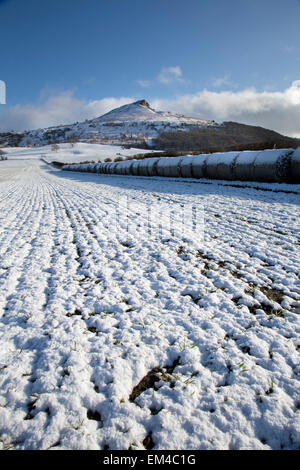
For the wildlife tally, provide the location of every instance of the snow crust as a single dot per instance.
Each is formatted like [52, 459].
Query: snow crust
[87, 311]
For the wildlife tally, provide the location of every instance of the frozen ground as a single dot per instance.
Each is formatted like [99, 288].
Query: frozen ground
[113, 336]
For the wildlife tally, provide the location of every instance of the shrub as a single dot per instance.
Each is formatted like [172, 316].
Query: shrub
[2, 155]
[72, 139]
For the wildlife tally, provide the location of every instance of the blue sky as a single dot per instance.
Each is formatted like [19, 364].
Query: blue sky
[87, 56]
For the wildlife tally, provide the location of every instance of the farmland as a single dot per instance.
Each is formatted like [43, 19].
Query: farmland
[120, 333]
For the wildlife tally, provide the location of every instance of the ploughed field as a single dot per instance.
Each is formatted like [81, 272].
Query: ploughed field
[140, 313]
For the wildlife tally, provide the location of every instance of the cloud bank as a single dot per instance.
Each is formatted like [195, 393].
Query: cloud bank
[63, 108]
[279, 110]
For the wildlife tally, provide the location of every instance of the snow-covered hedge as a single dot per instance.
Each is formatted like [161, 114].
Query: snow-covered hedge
[277, 165]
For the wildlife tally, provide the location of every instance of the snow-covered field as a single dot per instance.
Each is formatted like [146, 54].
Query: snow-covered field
[121, 339]
[72, 153]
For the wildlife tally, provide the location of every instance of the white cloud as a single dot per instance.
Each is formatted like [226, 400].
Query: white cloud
[218, 82]
[63, 108]
[279, 110]
[170, 75]
[144, 83]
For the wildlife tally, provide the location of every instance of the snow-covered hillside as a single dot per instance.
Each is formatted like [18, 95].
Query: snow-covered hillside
[133, 123]
[138, 125]
[141, 111]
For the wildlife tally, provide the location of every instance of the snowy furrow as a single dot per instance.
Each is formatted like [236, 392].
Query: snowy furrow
[114, 335]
